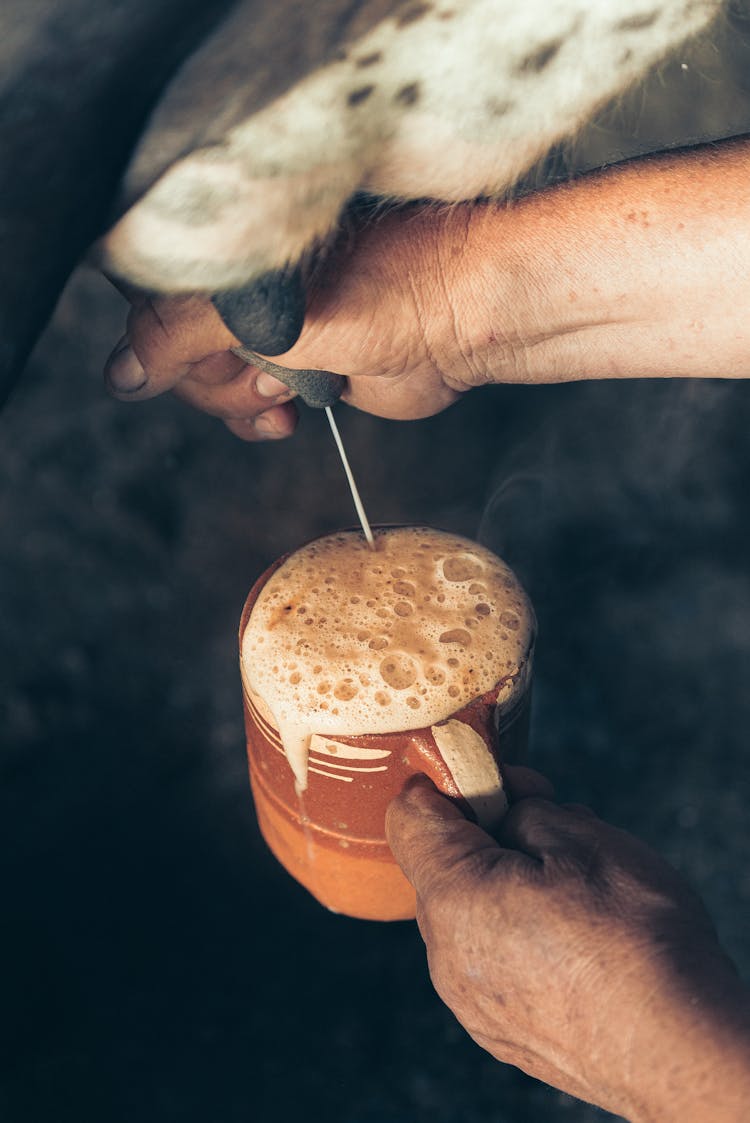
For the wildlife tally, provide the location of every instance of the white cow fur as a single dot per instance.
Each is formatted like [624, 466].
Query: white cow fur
[497, 82]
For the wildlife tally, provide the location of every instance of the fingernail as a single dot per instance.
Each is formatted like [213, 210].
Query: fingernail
[266, 426]
[124, 372]
[269, 387]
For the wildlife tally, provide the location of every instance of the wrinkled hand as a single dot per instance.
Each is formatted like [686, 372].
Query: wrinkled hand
[569, 949]
[380, 311]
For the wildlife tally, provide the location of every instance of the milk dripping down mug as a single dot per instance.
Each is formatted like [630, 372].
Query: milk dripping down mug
[363, 666]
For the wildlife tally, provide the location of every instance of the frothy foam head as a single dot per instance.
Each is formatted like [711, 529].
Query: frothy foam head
[346, 640]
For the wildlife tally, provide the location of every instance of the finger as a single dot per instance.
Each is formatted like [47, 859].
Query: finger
[543, 829]
[217, 369]
[127, 378]
[525, 783]
[580, 809]
[272, 425]
[431, 840]
[166, 338]
[249, 393]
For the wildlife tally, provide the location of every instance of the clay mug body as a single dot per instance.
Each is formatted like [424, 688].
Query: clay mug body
[330, 835]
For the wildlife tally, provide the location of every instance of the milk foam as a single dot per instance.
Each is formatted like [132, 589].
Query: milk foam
[346, 640]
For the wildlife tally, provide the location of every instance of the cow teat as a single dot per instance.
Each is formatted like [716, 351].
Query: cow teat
[267, 314]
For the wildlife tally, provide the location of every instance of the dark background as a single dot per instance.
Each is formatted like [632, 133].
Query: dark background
[157, 964]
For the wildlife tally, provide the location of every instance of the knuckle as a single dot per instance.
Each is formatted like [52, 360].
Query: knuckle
[527, 819]
[446, 888]
[531, 811]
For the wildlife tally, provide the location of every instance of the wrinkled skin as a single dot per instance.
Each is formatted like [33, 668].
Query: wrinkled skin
[405, 342]
[566, 947]
[420, 305]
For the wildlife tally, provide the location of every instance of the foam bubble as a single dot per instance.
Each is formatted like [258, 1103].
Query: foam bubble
[398, 671]
[345, 690]
[456, 635]
[402, 638]
[462, 567]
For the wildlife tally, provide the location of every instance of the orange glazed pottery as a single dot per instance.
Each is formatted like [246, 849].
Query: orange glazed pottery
[330, 835]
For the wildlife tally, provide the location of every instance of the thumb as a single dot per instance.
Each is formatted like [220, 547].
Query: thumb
[166, 337]
[433, 843]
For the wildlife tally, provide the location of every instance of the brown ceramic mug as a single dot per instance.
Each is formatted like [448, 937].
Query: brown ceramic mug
[363, 670]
